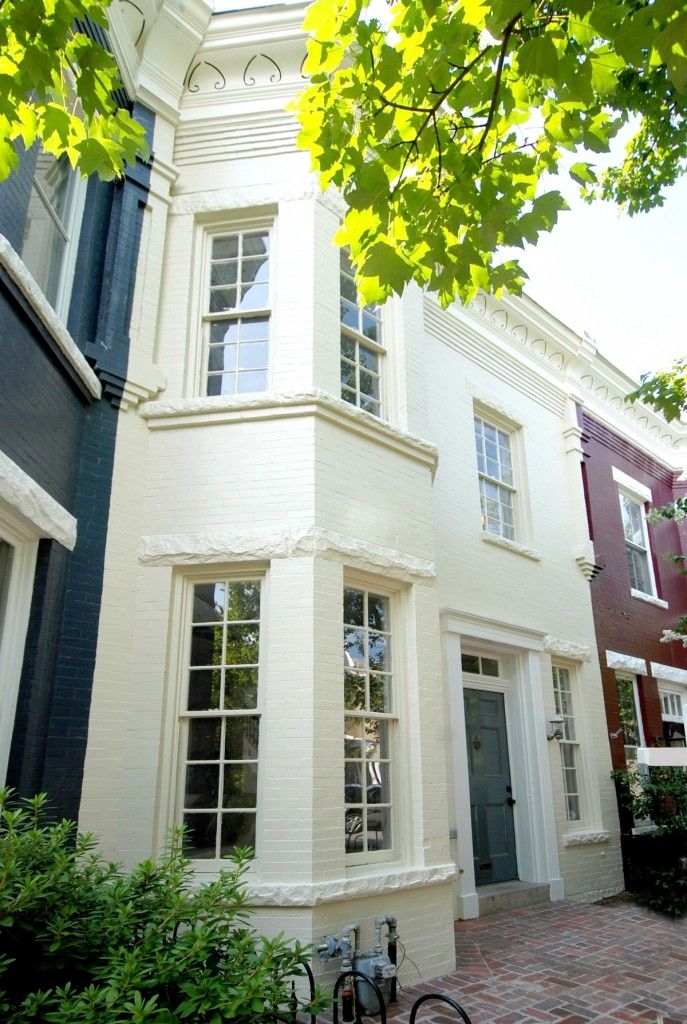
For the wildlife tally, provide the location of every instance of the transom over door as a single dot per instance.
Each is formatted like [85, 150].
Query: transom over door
[491, 795]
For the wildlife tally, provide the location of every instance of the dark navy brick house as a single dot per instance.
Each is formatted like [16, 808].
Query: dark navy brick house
[68, 254]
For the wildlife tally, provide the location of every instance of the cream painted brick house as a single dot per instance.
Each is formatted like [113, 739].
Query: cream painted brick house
[312, 589]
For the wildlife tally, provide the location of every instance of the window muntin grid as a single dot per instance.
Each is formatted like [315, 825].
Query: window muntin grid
[369, 723]
[629, 717]
[51, 223]
[636, 543]
[673, 718]
[360, 363]
[478, 665]
[496, 485]
[671, 705]
[220, 722]
[569, 747]
[238, 318]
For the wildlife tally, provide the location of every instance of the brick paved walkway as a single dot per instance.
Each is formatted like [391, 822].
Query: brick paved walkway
[565, 964]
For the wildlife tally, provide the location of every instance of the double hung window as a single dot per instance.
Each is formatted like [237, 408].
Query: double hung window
[220, 719]
[369, 725]
[569, 745]
[361, 351]
[636, 543]
[237, 321]
[496, 480]
[629, 717]
[52, 228]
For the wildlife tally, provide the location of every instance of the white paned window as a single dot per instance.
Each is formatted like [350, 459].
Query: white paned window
[673, 717]
[480, 666]
[496, 482]
[52, 228]
[369, 726]
[629, 717]
[636, 543]
[220, 722]
[237, 321]
[361, 340]
[569, 745]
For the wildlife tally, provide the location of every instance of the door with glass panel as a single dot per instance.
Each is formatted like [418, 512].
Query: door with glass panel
[491, 794]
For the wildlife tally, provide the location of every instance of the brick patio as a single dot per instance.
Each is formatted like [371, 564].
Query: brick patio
[563, 963]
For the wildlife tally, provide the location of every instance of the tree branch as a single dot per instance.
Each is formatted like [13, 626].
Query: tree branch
[493, 106]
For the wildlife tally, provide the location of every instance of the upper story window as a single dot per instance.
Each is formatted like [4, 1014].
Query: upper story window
[52, 228]
[361, 345]
[237, 321]
[496, 479]
[220, 722]
[569, 745]
[636, 543]
[369, 726]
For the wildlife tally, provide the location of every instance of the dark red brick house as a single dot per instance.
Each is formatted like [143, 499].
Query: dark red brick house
[637, 593]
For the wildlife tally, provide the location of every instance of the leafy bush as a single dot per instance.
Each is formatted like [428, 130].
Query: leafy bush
[83, 943]
[659, 858]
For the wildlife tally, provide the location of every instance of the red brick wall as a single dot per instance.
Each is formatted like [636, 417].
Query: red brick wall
[624, 623]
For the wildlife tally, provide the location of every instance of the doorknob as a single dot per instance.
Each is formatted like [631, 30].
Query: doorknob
[510, 801]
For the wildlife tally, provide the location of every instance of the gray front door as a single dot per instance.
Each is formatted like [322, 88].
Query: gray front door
[491, 795]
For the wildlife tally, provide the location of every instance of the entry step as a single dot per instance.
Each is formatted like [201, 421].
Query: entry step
[510, 896]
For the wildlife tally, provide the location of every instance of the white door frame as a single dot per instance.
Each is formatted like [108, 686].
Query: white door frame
[535, 831]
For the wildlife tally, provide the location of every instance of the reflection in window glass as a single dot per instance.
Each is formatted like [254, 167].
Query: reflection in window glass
[360, 364]
[569, 747]
[50, 223]
[239, 319]
[636, 543]
[367, 651]
[496, 484]
[629, 718]
[221, 720]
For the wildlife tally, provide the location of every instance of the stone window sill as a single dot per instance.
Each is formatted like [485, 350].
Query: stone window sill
[649, 598]
[511, 545]
[586, 837]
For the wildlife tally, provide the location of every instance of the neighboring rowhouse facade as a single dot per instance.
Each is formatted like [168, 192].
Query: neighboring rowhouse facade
[638, 592]
[346, 615]
[68, 251]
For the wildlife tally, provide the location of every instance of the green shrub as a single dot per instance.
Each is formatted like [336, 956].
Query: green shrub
[83, 943]
[659, 858]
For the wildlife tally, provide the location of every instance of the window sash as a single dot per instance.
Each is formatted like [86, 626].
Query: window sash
[237, 312]
[497, 489]
[569, 745]
[219, 722]
[370, 727]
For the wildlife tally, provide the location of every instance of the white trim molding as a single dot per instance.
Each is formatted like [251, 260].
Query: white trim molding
[667, 672]
[197, 412]
[625, 663]
[629, 483]
[27, 498]
[313, 894]
[293, 542]
[662, 757]
[14, 266]
[567, 648]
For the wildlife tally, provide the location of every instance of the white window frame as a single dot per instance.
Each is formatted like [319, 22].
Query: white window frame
[396, 719]
[14, 624]
[176, 733]
[630, 678]
[673, 705]
[641, 495]
[360, 340]
[70, 229]
[199, 305]
[571, 744]
[516, 489]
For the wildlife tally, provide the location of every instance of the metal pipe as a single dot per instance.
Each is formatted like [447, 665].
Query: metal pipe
[390, 921]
